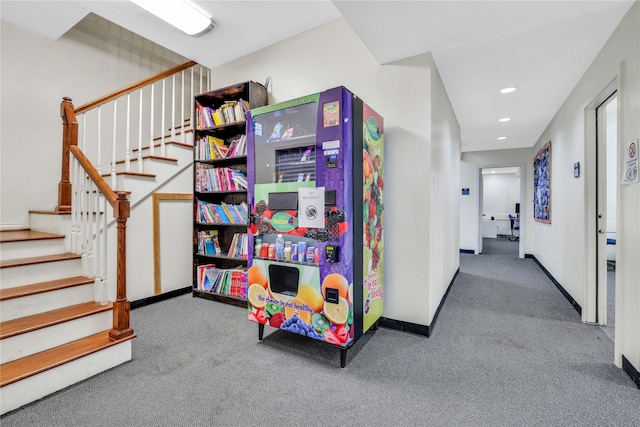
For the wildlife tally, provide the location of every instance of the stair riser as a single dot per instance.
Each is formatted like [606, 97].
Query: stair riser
[55, 224]
[34, 273]
[47, 301]
[159, 168]
[179, 152]
[26, 344]
[31, 248]
[38, 386]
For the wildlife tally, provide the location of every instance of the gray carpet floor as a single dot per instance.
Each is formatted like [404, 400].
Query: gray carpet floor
[508, 350]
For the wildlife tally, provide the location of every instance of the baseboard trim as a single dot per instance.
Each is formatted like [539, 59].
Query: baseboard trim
[157, 298]
[424, 330]
[630, 370]
[401, 325]
[564, 292]
[467, 251]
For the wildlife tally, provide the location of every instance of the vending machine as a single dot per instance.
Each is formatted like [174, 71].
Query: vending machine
[315, 173]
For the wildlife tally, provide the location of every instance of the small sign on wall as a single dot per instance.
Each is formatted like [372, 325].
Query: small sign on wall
[465, 191]
[630, 165]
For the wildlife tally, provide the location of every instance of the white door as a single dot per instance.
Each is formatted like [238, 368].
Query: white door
[606, 158]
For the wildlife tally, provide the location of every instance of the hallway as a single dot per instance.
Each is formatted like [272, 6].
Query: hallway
[508, 350]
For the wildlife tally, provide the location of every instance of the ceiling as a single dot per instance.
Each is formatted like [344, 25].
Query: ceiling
[542, 47]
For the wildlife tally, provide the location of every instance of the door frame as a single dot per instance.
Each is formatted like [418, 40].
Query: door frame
[478, 203]
[594, 310]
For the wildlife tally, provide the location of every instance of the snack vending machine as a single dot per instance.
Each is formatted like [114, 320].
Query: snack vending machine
[315, 193]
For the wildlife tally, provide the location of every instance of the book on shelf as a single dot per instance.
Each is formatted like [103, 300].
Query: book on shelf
[223, 281]
[208, 242]
[210, 147]
[229, 112]
[209, 178]
[222, 213]
[239, 246]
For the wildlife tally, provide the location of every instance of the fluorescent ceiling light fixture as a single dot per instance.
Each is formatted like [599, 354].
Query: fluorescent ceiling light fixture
[502, 137]
[179, 13]
[505, 119]
[508, 89]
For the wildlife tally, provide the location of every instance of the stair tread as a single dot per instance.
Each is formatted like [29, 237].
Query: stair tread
[154, 157]
[34, 322]
[41, 287]
[23, 235]
[31, 365]
[145, 175]
[38, 260]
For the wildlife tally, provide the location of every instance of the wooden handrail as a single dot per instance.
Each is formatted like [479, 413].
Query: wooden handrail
[133, 87]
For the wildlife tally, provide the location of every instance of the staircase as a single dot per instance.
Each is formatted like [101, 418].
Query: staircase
[52, 332]
[57, 326]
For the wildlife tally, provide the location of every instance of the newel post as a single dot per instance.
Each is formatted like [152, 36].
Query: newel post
[69, 138]
[121, 327]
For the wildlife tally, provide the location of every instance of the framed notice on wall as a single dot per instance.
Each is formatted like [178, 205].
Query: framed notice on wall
[542, 184]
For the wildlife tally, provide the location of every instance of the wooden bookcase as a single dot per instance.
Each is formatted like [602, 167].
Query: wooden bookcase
[219, 190]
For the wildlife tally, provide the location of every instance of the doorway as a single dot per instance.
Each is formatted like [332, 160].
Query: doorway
[606, 201]
[500, 199]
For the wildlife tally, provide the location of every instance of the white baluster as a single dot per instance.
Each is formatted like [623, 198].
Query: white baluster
[152, 111]
[140, 133]
[182, 121]
[97, 233]
[191, 104]
[75, 172]
[99, 165]
[113, 148]
[127, 147]
[173, 108]
[90, 231]
[84, 223]
[103, 253]
[162, 119]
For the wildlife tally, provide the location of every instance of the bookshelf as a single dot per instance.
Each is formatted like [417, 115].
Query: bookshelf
[220, 191]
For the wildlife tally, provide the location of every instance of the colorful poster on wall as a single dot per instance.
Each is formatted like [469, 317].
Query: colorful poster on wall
[630, 165]
[542, 184]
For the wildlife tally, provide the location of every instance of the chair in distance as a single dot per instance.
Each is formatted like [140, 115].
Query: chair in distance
[515, 225]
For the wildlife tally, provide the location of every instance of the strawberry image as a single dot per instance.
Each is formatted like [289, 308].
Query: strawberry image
[331, 338]
[342, 333]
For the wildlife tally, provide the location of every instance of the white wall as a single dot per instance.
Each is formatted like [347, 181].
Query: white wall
[445, 193]
[500, 195]
[91, 60]
[330, 56]
[562, 245]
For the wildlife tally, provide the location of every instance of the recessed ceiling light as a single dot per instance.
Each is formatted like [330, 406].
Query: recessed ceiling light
[502, 137]
[505, 119]
[508, 89]
[493, 171]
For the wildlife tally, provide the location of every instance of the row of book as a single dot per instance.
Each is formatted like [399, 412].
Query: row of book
[222, 213]
[239, 246]
[229, 112]
[222, 281]
[210, 147]
[208, 242]
[209, 178]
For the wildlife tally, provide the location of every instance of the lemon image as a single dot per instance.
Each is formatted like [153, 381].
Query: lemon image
[257, 296]
[337, 313]
[311, 296]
